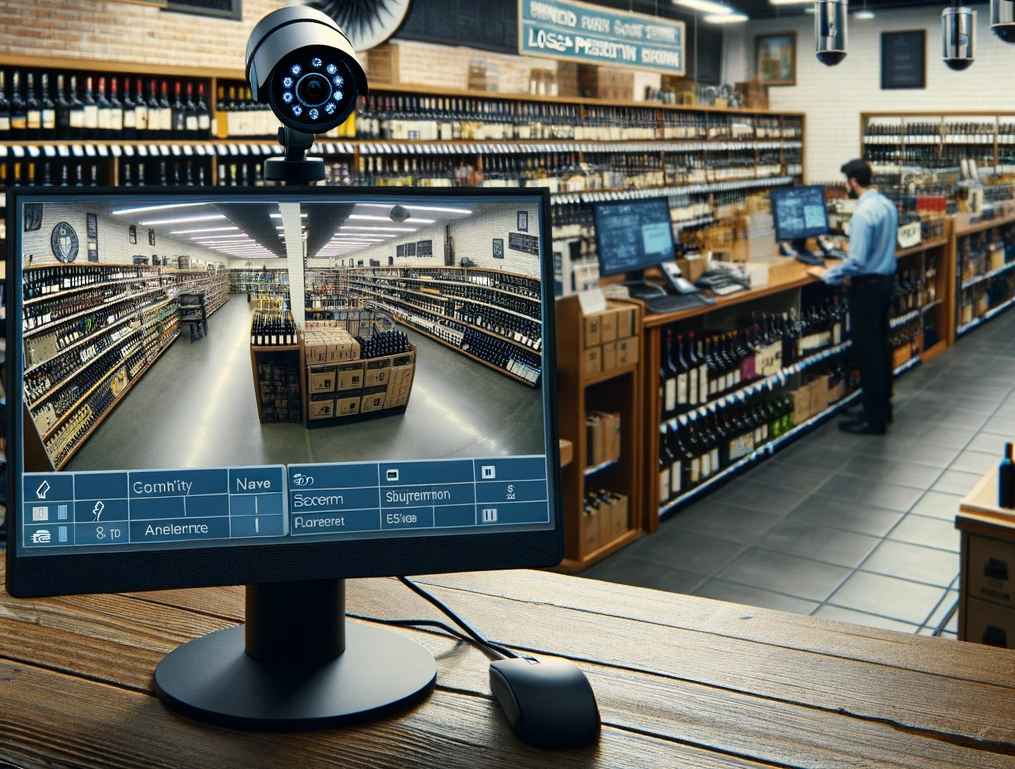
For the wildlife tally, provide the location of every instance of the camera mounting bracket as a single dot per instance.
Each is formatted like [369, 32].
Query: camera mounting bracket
[295, 167]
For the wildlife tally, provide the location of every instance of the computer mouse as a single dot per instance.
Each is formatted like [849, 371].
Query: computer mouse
[548, 703]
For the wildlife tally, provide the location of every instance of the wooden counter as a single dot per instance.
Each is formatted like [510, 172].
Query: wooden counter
[681, 682]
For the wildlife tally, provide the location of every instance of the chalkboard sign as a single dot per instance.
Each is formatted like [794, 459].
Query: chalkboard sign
[400, 251]
[498, 248]
[424, 248]
[410, 249]
[92, 229]
[527, 243]
[903, 60]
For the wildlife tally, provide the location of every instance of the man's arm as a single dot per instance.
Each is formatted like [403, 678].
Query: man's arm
[859, 252]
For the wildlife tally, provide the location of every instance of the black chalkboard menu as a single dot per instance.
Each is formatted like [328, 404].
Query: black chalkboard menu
[424, 248]
[527, 243]
[904, 59]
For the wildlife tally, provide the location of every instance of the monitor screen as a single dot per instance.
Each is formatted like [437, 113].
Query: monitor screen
[633, 235]
[799, 212]
[226, 387]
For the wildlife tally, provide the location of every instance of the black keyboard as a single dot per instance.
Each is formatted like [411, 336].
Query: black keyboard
[660, 305]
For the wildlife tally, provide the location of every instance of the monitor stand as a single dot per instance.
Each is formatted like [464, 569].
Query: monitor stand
[295, 664]
[638, 288]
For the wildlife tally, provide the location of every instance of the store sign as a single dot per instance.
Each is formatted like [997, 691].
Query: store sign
[563, 29]
[909, 235]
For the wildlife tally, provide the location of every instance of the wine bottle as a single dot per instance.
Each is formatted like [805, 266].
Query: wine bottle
[19, 116]
[115, 112]
[90, 126]
[48, 109]
[1006, 480]
[33, 111]
[129, 112]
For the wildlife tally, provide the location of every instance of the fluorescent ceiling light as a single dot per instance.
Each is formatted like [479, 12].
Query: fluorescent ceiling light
[864, 15]
[279, 216]
[706, 5]
[124, 211]
[790, 2]
[729, 18]
[379, 229]
[372, 218]
[417, 208]
[204, 229]
[204, 218]
[219, 237]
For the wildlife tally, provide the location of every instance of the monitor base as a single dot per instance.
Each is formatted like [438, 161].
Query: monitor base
[217, 679]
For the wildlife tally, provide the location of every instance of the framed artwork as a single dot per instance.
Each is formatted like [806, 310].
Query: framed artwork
[151, 237]
[775, 58]
[498, 248]
[904, 59]
[523, 221]
[33, 217]
[92, 226]
[64, 242]
[132, 235]
[424, 248]
[410, 249]
[400, 251]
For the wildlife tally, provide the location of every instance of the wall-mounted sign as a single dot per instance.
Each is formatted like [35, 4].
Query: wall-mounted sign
[132, 235]
[33, 217]
[527, 243]
[498, 248]
[909, 235]
[92, 226]
[424, 248]
[904, 59]
[151, 237]
[564, 29]
[64, 242]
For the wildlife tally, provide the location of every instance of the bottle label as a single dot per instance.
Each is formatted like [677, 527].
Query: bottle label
[695, 470]
[5, 123]
[682, 388]
[116, 120]
[191, 122]
[715, 460]
[34, 119]
[671, 394]
[664, 485]
[141, 117]
[676, 478]
[49, 119]
[103, 119]
[706, 465]
[91, 116]
[130, 118]
[203, 121]
[692, 394]
[703, 384]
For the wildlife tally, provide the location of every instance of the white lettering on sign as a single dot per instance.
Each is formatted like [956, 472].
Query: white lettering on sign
[299, 500]
[552, 40]
[628, 29]
[433, 495]
[170, 487]
[246, 484]
[605, 49]
[300, 522]
[663, 34]
[662, 58]
[175, 530]
[596, 24]
[548, 12]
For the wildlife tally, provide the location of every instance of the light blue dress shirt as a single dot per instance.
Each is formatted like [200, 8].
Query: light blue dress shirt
[873, 231]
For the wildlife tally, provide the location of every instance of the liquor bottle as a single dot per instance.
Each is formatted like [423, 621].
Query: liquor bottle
[74, 110]
[5, 111]
[105, 109]
[666, 462]
[668, 377]
[165, 109]
[47, 110]
[115, 112]
[90, 126]
[33, 111]
[141, 116]
[1006, 480]
[178, 114]
[203, 116]
[129, 112]
[19, 116]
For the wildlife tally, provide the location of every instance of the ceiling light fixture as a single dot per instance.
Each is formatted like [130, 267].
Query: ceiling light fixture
[729, 18]
[279, 216]
[125, 211]
[417, 208]
[372, 218]
[863, 15]
[219, 237]
[204, 229]
[378, 229]
[706, 6]
[204, 218]
[790, 2]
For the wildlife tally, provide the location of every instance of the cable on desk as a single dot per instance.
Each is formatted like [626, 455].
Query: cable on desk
[474, 636]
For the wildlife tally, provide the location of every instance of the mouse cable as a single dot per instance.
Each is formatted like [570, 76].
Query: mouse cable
[475, 636]
[492, 649]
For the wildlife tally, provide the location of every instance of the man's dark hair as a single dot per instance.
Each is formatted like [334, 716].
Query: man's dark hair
[859, 170]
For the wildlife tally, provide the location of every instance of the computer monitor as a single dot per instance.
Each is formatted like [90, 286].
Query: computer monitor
[799, 214]
[633, 235]
[279, 388]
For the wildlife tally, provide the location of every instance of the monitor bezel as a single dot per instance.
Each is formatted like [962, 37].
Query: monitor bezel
[70, 574]
[643, 265]
[780, 191]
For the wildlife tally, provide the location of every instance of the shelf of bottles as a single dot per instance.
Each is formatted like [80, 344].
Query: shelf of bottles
[249, 280]
[491, 316]
[214, 286]
[723, 396]
[985, 274]
[90, 332]
[275, 361]
[913, 329]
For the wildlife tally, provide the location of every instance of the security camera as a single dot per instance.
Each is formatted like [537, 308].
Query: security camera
[1002, 19]
[958, 36]
[398, 213]
[830, 31]
[301, 64]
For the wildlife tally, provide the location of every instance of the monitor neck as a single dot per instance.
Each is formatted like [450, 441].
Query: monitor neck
[295, 622]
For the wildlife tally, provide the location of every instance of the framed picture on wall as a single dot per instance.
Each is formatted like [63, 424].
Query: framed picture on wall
[132, 235]
[33, 217]
[775, 58]
[151, 237]
[410, 249]
[92, 226]
[498, 248]
[523, 221]
[903, 60]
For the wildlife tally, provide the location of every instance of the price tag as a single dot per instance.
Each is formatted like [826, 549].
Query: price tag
[33, 151]
[3, 150]
[103, 151]
[128, 150]
[741, 396]
[164, 149]
[200, 150]
[117, 150]
[683, 420]
[188, 150]
[243, 149]
[50, 151]
[723, 402]
[233, 150]
[90, 150]
[782, 378]
[77, 149]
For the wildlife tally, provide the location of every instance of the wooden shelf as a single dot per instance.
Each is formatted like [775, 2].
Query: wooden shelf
[574, 566]
[936, 243]
[613, 373]
[972, 229]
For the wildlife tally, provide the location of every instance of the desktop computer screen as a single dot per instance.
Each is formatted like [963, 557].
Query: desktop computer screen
[799, 213]
[247, 386]
[633, 235]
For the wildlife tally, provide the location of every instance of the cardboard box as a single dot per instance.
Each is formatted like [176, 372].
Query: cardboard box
[991, 570]
[346, 407]
[837, 392]
[627, 351]
[609, 356]
[593, 360]
[985, 623]
[589, 533]
[593, 331]
[819, 394]
[321, 407]
[372, 400]
[378, 372]
[593, 440]
[322, 380]
[625, 321]
[618, 517]
[608, 326]
[350, 376]
[901, 354]
[996, 258]
[801, 405]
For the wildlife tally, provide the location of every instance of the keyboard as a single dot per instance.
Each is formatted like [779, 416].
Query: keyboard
[810, 259]
[661, 305]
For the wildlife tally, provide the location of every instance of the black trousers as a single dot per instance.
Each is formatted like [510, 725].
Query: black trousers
[870, 300]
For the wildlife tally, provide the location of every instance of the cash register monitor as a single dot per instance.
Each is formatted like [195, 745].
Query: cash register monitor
[631, 236]
[352, 419]
[799, 214]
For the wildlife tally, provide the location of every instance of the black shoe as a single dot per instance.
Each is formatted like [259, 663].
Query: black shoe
[861, 428]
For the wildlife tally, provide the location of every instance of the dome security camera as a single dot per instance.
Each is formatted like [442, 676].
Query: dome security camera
[301, 64]
[1002, 19]
[830, 31]
[398, 213]
[958, 37]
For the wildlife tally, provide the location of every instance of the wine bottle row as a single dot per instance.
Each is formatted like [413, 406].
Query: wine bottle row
[272, 328]
[383, 343]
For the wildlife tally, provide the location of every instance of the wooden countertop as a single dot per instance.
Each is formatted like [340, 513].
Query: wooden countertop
[790, 276]
[681, 682]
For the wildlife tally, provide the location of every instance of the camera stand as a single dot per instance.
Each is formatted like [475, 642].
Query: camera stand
[296, 664]
[295, 167]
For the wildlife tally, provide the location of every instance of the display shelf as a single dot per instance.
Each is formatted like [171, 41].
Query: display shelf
[120, 300]
[449, 298]
[671, 190]
[909, 365]
[985, 317]
[460, 283]
[80, 342]
[83, 367]
[577, 565]
[964, 230]
[987, 276]
[902, 320]
[601, 466]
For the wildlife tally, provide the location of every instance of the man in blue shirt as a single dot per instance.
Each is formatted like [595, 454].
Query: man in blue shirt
[870, 269]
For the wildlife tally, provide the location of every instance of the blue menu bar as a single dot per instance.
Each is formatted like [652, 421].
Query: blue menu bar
[161, 506]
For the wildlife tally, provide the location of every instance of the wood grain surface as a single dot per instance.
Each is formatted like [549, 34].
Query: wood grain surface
[681, 682]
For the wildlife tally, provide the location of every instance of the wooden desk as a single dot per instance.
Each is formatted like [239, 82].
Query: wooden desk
[681, 682]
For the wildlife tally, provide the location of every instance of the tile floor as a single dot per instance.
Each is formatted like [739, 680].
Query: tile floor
[853, 528]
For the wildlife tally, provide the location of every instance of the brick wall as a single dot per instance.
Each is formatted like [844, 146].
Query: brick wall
[114, 244]
[834, 97]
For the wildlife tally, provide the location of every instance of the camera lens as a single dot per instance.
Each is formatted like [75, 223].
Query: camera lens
[313, 89]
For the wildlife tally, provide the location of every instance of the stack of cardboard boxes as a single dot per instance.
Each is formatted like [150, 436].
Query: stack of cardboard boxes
[610, 340]
[820, 392]
[604, 520]
[602, 438]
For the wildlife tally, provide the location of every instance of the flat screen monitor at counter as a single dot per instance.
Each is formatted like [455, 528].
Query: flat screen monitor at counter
[799, 213]
[633, 235]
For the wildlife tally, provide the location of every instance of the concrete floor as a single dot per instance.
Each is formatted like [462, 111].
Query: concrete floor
[195, 408]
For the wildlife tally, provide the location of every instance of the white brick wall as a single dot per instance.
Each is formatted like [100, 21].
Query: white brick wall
[114, 245]
[834, 97]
